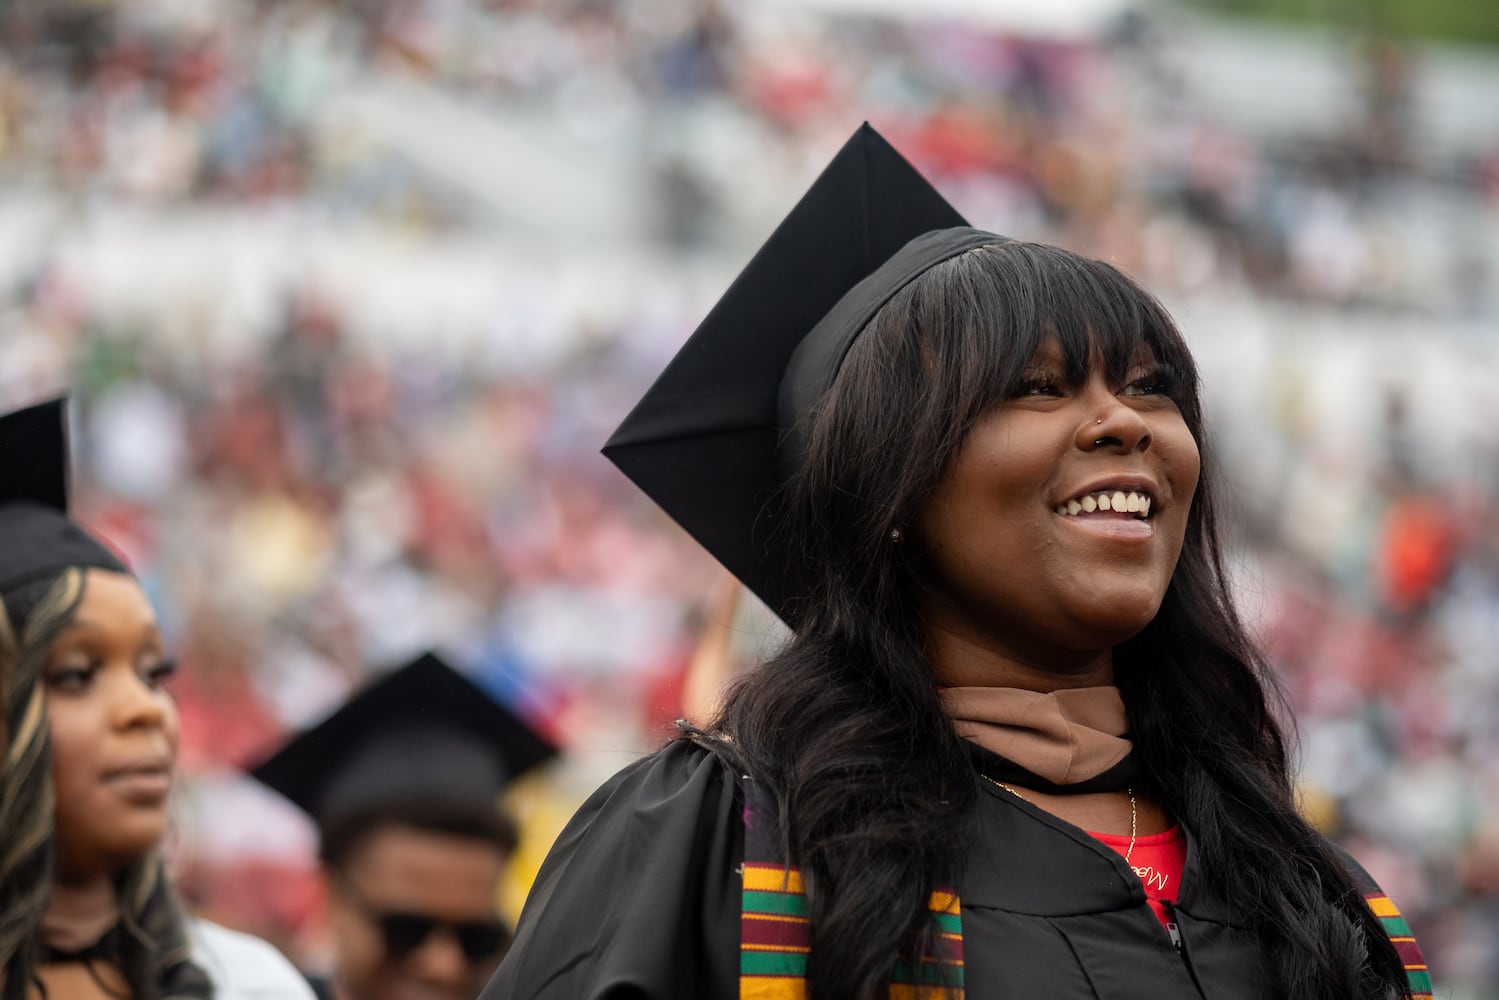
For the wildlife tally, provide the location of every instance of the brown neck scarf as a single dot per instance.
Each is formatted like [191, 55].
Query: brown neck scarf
[1069, 739]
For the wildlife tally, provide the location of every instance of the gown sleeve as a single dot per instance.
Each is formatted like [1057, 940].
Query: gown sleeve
[640, 895]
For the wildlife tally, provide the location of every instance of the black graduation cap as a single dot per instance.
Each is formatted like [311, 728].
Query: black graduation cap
[36, 537]
[423, 734]
[709, 441]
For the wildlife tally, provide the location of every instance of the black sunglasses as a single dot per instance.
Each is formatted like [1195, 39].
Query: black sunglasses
[404, 932]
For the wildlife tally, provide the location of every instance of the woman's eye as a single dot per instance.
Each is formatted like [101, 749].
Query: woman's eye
[161, 672]
[1155, 383]
[1040, 385]
[71, 678]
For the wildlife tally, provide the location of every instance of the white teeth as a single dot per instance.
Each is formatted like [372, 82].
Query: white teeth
[1111, 500]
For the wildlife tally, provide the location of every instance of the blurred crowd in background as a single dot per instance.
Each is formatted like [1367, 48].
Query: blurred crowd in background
[347, 296]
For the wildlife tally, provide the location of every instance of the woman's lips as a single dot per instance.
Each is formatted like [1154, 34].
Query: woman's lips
[1123, 527]
[147, 782]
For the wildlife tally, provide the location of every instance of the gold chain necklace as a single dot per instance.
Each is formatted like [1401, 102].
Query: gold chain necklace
[1134, 825]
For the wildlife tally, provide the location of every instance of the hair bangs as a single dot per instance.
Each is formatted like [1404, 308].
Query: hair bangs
[1017, 297]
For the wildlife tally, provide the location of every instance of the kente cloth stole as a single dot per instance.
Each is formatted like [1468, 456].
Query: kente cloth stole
[774, 939]
[1405, 944]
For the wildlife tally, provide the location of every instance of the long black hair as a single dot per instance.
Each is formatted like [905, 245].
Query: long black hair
[844, 725]
[150, 945]
[26, 798]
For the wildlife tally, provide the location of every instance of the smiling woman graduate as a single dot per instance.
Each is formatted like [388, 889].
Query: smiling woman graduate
[1019, 743]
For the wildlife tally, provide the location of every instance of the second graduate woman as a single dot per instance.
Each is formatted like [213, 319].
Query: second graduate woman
[86, 907]
[1019, 743]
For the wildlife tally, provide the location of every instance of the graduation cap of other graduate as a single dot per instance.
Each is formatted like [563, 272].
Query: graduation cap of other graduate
[421, 735]
[37, 539]
[714, 437]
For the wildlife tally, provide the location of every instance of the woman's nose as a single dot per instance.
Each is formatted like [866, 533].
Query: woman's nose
[137, 703]
[1112, 424]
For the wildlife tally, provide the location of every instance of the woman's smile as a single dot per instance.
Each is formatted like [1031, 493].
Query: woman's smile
[1118, 508]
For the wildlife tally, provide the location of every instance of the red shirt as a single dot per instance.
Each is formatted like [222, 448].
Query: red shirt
[1158, 858]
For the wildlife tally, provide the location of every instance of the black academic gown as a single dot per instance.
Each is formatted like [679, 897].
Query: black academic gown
[640, 898]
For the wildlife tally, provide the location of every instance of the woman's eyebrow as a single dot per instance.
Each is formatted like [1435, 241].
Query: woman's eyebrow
[144, 628]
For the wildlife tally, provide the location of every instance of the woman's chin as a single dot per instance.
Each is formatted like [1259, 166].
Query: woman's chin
[139, 840]
[1119, 621]
[114, 850]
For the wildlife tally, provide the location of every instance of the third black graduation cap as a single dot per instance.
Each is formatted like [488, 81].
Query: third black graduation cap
[37, 539]
[421, 735]
[707, 441]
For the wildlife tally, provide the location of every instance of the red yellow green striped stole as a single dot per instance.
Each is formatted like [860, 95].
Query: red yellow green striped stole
[775, 939]
[1405, 944]
[774, 943]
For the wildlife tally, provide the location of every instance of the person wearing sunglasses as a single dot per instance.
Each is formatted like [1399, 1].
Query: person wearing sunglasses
[403, 783]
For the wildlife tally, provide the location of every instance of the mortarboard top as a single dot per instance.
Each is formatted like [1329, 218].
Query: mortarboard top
[421, 734]
[713, 439]
[34, 443]
[37, 539]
